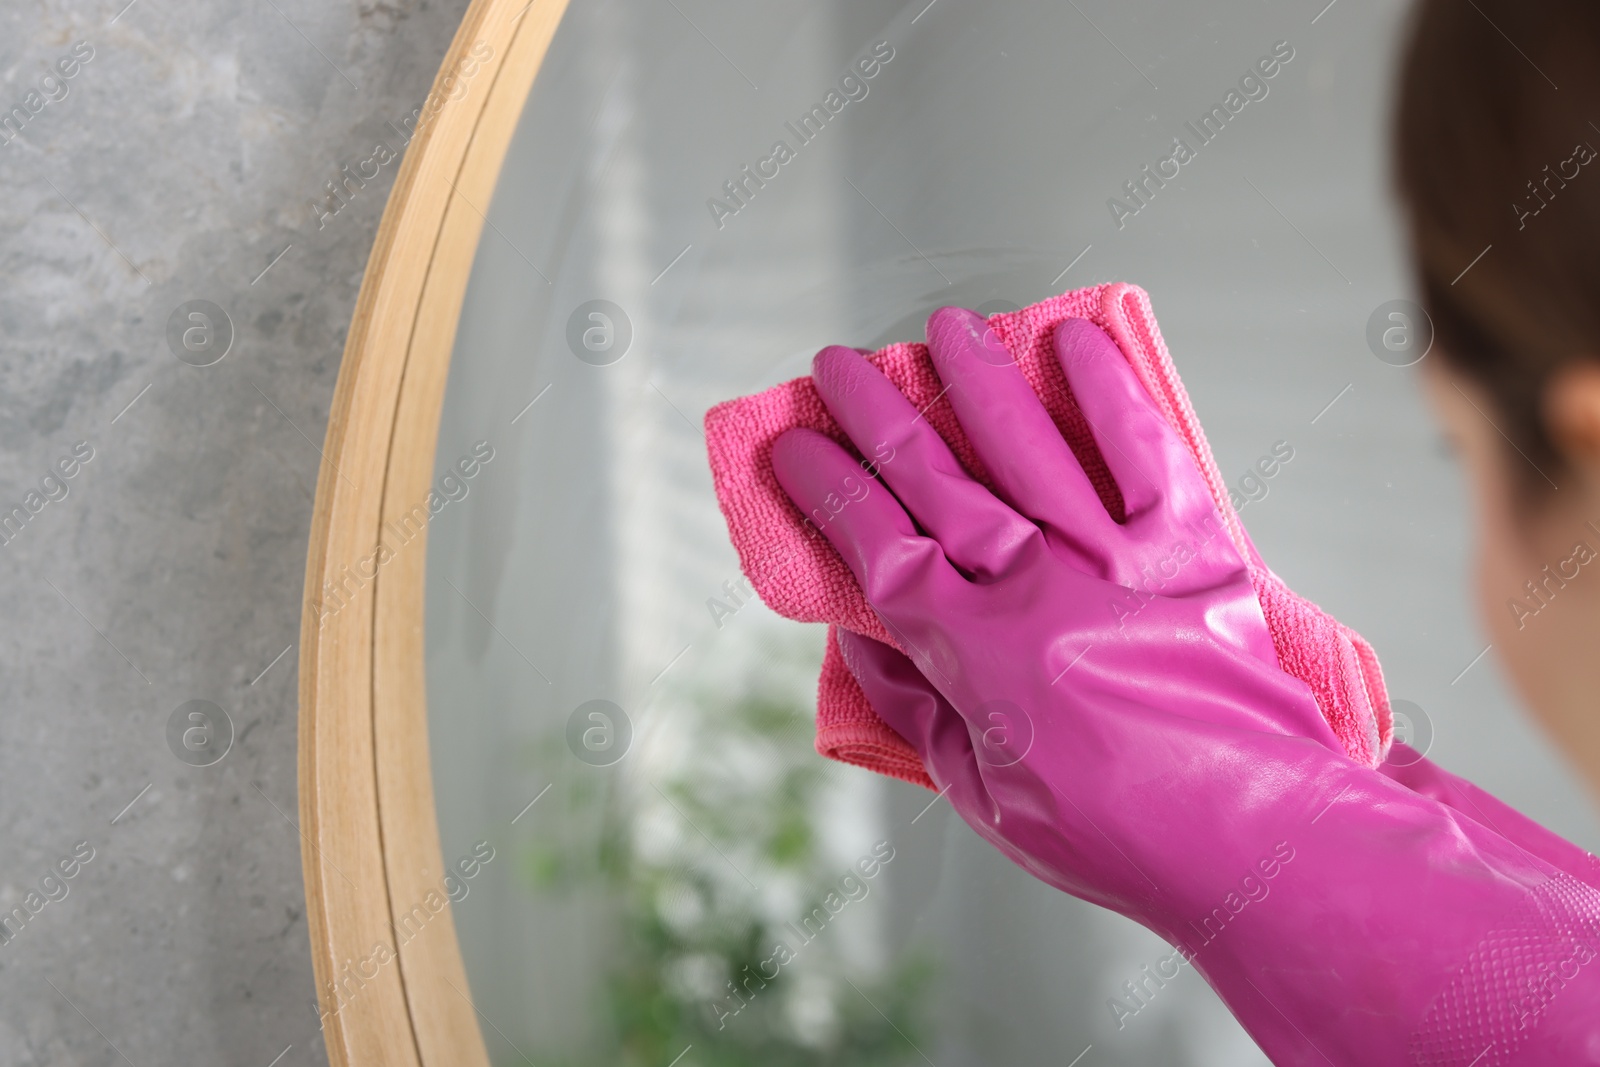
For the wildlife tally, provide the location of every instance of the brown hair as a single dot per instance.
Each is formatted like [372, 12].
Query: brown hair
[1494, 144]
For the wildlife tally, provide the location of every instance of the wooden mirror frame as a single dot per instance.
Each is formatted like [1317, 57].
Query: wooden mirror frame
[369, 835]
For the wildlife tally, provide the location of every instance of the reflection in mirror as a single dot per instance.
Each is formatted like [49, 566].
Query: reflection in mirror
[697, 199]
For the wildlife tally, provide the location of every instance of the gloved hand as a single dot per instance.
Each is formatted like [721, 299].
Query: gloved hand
[1107, 709]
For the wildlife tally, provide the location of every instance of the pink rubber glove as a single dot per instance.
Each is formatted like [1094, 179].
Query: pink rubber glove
[1107, 710]
[1422, 775]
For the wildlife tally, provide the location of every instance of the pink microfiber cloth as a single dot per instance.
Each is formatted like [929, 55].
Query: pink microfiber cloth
[803, 578]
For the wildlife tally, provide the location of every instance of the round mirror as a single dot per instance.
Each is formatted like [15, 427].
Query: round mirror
[618, 738]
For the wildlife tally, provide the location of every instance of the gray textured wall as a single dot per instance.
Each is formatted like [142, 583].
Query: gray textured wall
[182, 158]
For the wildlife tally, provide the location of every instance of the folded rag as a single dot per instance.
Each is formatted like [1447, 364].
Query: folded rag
[800, 576]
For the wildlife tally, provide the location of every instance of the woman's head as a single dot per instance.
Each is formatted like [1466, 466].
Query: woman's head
[1497, 161]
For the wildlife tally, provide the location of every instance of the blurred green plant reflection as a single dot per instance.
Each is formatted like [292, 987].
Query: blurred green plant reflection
[708, 845]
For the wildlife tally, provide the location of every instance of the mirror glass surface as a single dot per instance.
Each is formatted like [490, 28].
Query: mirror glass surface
[646, 847]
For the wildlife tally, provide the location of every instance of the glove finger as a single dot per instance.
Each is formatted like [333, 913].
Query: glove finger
[1152, 465]
[901, 572]
[1032, 465]
[920, 714]
[955, 752]
[977, 532]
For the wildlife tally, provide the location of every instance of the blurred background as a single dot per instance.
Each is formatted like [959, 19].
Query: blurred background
[637, 761]
[633, 736]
